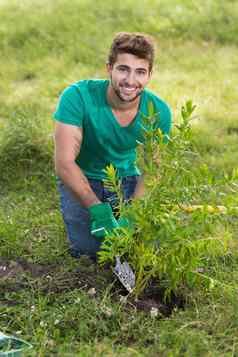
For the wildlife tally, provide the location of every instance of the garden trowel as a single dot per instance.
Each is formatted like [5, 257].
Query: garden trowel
[125, 274]
[123, 270]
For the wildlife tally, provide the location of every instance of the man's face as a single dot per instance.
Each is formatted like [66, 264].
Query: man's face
[129, 75]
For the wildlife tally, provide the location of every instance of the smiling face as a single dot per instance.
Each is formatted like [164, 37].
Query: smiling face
[129, 75]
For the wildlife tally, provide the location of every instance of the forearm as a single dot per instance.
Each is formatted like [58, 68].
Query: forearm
[73, 177]
[139, 189]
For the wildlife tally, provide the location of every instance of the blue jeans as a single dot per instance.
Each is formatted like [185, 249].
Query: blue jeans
[76, 217]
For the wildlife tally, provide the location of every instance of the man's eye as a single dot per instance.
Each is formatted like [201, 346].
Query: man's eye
[141, 73]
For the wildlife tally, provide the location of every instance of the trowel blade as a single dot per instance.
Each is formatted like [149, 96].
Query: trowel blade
[125, 274]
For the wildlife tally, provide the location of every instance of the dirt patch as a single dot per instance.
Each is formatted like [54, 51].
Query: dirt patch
[88, 276]
[50, 279]
[153, 302]
[16, 268]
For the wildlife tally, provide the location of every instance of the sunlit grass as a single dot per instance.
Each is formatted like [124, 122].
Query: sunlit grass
[45, 46]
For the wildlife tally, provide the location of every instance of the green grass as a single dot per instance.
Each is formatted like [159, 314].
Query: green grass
[45, 46]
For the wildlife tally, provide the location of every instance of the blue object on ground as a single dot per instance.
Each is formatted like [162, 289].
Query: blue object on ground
[11, 346]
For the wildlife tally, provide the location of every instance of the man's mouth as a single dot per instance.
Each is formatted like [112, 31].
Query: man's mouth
[128, 90]
[126, 93]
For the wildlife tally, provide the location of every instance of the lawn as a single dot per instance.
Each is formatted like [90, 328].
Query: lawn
[66, 307]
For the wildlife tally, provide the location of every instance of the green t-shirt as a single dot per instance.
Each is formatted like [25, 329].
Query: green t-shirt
[105, 141]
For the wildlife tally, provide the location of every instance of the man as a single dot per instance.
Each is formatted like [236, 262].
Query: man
[98, 122]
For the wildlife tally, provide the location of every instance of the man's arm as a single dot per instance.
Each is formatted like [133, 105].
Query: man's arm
[140, 188]
[68, 139]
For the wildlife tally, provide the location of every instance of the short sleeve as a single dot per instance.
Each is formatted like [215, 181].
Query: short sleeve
[70, 108]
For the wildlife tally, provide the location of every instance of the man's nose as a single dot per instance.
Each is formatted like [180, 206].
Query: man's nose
[131, 77]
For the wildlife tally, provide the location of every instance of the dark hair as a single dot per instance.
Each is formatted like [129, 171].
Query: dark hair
[135, 43]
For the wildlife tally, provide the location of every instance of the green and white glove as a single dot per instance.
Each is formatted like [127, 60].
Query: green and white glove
[125, 223]
[102, 219]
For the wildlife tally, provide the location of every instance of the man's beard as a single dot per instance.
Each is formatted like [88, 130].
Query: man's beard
[117, 92]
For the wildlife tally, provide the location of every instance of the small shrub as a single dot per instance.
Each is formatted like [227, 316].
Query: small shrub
[167, 244]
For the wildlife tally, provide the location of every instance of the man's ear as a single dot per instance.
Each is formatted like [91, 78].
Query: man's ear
[109, 67]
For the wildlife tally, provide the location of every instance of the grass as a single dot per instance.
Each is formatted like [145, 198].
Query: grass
[45, 46]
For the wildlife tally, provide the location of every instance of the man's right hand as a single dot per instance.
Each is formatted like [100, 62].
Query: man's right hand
[102, 219]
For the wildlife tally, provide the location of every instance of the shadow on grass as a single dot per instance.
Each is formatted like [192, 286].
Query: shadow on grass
[26, 148]
[23, 163]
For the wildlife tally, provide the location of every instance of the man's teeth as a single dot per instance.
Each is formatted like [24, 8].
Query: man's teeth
[129, 89]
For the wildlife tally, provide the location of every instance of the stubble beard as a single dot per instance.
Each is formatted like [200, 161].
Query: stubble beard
[118, 94]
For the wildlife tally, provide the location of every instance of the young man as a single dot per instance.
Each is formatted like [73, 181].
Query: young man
[98, 122]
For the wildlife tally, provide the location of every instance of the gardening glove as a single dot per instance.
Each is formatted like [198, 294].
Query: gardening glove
[102, 220]
[124, 222]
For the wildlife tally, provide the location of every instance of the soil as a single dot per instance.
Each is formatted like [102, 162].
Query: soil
[51, 280]
[153, 300]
